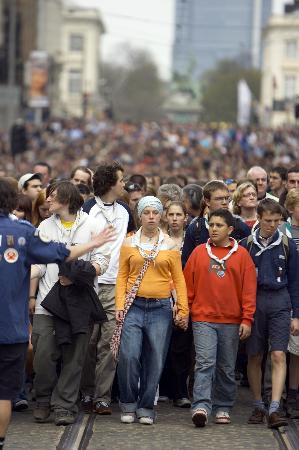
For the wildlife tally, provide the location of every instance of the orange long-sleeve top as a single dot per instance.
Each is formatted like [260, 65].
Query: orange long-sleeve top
[221, 299]
[156, 281]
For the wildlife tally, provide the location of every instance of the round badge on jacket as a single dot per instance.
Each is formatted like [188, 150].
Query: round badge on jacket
[11, 255]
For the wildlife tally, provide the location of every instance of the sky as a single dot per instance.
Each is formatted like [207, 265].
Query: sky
[144, 24]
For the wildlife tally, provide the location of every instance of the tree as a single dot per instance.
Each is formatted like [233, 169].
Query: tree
[134, 90]
[219, 90]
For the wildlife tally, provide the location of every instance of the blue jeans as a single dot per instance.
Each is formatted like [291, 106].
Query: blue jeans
[216, 346]
[143, 348]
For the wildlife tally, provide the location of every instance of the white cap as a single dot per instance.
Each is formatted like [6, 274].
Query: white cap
[28, 177]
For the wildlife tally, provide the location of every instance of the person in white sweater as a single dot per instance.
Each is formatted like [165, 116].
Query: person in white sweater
[108, 186]
[70, 225]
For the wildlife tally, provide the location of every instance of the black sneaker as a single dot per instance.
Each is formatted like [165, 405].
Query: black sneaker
[20, 405]
[102, 408]
[86, 404]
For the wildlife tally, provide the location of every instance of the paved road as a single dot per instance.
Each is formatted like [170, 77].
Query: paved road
[173, 431]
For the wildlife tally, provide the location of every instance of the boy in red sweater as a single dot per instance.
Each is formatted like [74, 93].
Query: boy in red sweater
[221, 285]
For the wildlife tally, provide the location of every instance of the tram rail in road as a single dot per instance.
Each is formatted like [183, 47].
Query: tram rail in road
[78, 435]
[288, 437]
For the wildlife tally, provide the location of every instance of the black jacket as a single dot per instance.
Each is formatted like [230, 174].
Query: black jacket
[74, 307]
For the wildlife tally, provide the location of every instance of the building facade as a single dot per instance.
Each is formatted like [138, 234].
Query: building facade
[49, 59]
[280, 69]
[79, 81]
[209, 31]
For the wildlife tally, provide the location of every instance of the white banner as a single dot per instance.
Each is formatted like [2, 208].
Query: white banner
[244, 103]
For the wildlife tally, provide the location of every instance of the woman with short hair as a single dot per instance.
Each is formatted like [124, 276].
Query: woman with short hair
[245, 203]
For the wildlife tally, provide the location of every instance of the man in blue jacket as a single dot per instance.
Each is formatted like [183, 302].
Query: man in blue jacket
[20, 246]
[215, 196]
[277, 264]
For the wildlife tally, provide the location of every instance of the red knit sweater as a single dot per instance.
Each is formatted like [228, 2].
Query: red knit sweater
[227, 299]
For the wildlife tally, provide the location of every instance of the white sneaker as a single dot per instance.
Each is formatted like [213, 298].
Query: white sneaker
[146, 420]
[127, 417]
[222, 417]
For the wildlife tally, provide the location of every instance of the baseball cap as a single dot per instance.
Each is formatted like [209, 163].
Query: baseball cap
[28, 177]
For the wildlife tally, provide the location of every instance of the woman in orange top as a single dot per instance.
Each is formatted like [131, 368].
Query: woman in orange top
[147, 327]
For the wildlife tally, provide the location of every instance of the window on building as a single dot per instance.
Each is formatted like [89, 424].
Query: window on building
[291, 48]
[290, 86]
[75, 81]
[76, 42]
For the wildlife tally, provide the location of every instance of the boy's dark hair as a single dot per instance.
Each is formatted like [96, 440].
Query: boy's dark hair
[268, 205]
[67, 194]
[8, 197]
[225, 214]
[183, 178]
[282, 172]
[139, 179]
[25, 205]
[44, 164]
[213, 186]
[294, 169]
[194, 194]
[105, 177]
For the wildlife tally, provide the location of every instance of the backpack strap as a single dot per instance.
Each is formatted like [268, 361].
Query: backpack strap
[249, 243]
[198, 226]
[285, 244]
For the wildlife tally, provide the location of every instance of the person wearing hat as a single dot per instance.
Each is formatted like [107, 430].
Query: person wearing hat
[148, 261]
[30, 184]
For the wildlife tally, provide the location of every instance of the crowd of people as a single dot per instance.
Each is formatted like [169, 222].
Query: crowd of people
[200, 152]
[123, 283]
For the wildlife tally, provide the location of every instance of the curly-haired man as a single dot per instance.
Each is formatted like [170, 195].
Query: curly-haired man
[108, 186]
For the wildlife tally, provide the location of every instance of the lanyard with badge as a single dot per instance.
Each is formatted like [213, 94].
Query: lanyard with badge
[221, 261]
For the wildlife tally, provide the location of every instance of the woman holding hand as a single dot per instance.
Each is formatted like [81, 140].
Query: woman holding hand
[148, 261]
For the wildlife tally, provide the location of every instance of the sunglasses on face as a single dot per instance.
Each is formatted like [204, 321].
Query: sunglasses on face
[133, 187]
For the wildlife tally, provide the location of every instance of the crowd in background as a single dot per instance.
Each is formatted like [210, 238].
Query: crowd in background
[200, 152]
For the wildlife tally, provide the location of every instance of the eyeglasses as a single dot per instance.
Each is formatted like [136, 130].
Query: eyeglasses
[250, 194]
[225, 199]
[133, 187]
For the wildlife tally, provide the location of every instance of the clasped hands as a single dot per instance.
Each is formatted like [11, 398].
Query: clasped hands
[181, 322]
